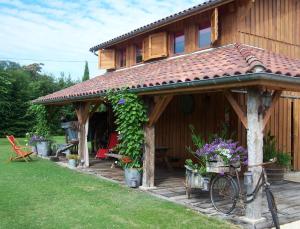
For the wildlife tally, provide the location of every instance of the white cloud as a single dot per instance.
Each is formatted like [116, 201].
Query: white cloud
[64, 30]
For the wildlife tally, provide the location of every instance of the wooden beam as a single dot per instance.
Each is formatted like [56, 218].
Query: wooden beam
[275, 98]
[96, 106]
[160, 105]
[236, 107]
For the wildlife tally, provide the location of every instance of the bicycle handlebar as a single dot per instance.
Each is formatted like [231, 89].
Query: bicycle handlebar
[272, 161]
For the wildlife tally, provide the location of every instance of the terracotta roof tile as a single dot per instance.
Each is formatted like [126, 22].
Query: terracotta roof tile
[220, 62]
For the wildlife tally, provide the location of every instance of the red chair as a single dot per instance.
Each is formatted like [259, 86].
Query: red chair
[112, 143]
[18, 149]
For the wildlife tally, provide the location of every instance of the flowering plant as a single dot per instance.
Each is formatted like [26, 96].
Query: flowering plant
[228, 150]
[32, 139]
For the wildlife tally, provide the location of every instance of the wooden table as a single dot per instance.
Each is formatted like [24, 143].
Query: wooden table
[161, 153]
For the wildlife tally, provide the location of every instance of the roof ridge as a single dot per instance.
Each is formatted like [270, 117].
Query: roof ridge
[255, 64]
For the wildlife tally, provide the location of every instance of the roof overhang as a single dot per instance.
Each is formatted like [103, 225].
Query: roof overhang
[266, 80]
[207, 5]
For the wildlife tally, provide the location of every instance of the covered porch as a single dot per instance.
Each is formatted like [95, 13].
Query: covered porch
[214, 76]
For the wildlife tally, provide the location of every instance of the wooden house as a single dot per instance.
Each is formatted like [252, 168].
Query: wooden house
[208, 65]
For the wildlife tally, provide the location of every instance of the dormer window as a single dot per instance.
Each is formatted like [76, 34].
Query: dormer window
[138, 53]
[204, 37]
[122, 57]
[179, 42]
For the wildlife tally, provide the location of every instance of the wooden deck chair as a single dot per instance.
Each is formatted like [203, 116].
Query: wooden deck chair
[19, 150]
[112, 143]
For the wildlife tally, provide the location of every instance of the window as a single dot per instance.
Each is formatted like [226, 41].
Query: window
[179, 43]
[204, 37]
[122, 58]
[138, 53]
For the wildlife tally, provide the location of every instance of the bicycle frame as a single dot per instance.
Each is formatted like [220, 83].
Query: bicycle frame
[262, 181]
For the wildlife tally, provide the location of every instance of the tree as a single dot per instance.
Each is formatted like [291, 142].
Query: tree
[86, 75]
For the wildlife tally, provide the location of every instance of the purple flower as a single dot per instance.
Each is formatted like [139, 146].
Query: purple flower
[121, 101]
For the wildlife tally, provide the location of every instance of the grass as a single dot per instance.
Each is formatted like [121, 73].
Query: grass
[40, 194]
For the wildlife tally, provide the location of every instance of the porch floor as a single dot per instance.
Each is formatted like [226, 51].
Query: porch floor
[170, 186]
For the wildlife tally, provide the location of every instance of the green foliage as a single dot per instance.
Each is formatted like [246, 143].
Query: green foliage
[269, 147]
[130, 117]
[283, 159]
[21, 84]
[196, 167]
[198, 142]
[86, 74]
[270, 152]
[41, 126]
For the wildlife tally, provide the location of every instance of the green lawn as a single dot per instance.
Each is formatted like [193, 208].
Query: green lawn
[41, 194]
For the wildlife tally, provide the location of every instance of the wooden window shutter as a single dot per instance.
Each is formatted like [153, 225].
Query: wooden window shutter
[158, 45]
[146, 49]
[107, 59]
[214, 26]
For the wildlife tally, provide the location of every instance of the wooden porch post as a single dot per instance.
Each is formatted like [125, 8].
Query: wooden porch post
[149, 157]
[160, 104]
[82, 111]
[255, 148]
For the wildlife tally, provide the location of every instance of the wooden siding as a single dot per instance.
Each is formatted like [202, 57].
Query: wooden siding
[270, 24]
[212, 110]
[172, 129]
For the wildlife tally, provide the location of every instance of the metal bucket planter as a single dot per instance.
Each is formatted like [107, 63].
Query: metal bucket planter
[133, 177]
[43, 148]
[72, 163]
[195, 180]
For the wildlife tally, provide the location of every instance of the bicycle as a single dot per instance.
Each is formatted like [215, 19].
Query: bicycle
[225, 192]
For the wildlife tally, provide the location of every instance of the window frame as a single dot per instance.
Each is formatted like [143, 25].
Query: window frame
[198, 36]
[122, 57]
[138, 47]
[176, 35]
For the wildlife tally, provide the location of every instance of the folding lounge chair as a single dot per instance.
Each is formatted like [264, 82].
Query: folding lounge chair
[19, 150]
[112, 143]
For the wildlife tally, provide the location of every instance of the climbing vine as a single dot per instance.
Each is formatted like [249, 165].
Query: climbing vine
[130, 115]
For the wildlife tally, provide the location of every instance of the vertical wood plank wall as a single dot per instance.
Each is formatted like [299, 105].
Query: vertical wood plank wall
[270, 24]
[172, 129]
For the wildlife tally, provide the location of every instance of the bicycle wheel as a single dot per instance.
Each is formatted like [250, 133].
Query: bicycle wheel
[272, 207]
[223, 193]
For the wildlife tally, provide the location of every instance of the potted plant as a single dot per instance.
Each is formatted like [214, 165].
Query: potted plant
[130, 115]
[41, 137]
[275, 172]
[221, 153]
[72, 160]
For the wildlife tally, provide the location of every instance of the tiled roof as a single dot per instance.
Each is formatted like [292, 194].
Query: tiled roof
[226, 61]
[203, 6]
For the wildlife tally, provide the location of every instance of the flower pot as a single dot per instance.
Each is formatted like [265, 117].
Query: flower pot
[72, 163]
[43, 148]
[133, 177]
[33, 149]
[275, 173]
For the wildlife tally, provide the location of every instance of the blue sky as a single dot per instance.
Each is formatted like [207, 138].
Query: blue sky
[60, 33]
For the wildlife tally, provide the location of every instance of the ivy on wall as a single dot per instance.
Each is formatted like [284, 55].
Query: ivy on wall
[131, 116]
